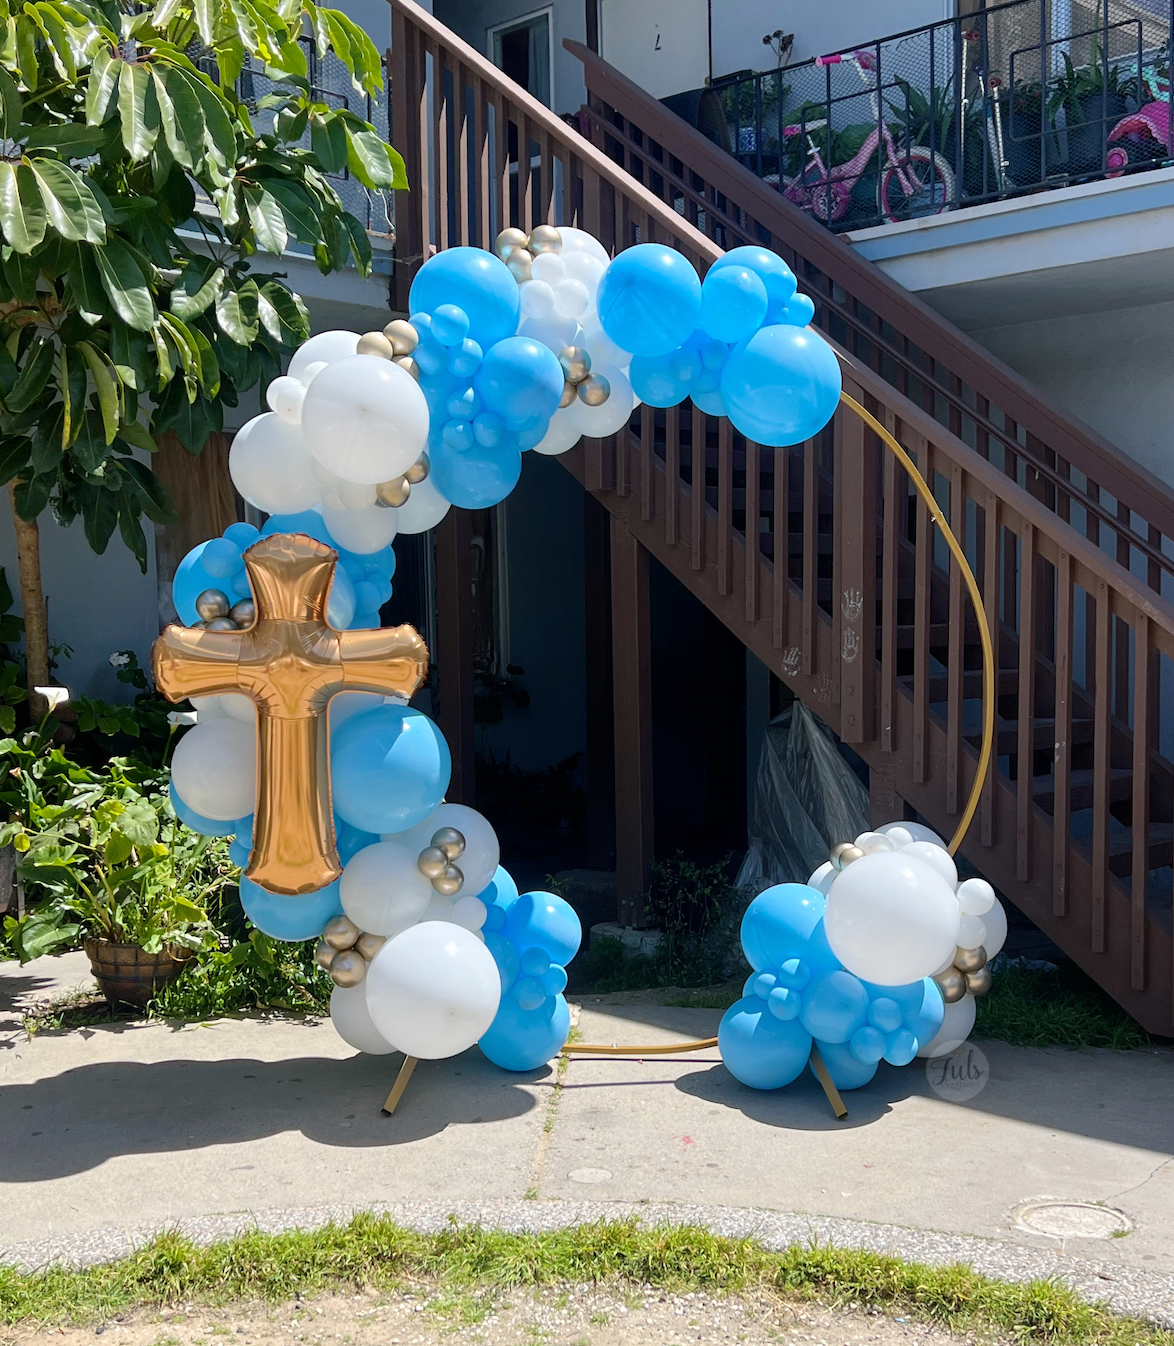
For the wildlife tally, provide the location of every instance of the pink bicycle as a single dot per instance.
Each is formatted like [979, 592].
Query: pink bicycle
[915, 181]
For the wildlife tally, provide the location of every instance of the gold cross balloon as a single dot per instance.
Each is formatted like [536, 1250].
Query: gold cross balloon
[290, 662]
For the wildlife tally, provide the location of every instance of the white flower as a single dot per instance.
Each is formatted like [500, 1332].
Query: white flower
[177, 718]
[119, 660]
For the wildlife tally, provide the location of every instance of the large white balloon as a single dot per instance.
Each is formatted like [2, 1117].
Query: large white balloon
[365, 418]
[424, 509]
[562, 434]
[353, 1023]
[434, 990]
[891, 918]
[579, 240]
[479, 860]
[995, 921]
[602, 349]
[226, 706]
[381, 889]
[270, 465]
[362, 530]
[214, 769]
[957, 1025]
[553, 332]
[937, 857]
[325, 348]
[612, 415]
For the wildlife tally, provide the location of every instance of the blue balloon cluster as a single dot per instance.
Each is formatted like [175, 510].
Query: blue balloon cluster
[799, 993]
[490, 392]
[532, 938]
[738, 344]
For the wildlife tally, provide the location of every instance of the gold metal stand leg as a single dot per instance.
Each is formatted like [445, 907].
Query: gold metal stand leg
[821, 1074]
[401, 1083]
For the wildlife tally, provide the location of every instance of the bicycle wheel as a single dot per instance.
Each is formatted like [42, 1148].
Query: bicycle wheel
[927, 189]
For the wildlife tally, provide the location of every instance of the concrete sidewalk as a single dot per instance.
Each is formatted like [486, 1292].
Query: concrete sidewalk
[111, 1132]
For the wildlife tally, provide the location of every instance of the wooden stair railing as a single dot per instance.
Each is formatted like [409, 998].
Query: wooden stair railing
[821, 560]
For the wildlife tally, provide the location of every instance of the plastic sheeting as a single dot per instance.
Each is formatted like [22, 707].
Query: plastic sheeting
[806, 799]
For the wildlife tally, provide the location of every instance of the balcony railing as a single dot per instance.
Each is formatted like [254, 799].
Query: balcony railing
[995, 104]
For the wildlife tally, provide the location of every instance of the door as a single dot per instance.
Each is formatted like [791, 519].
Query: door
[522, 49]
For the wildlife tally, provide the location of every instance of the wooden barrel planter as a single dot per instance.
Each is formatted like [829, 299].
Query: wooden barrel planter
[129, 974]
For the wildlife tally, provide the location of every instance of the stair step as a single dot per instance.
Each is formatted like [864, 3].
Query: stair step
[1081, 789]
[1161, 848]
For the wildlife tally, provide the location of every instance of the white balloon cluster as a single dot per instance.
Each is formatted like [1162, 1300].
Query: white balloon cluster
[558, 272]
[896, 912]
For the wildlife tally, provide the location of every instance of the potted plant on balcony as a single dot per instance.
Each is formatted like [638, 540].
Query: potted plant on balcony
[1093, 98]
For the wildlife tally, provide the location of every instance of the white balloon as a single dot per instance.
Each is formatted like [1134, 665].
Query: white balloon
[469, 912]
[352, 495]
[612, 416]
[976, 897]
[898, 835]
[553, 332]
[323, 475]
[571, 298]
[366, 419]
[971, 932]
[548, 267]
[579, 240]
[362, 530]
[918, 831]
[937, 857]
[226, 706]
[433, 990]
[479, 860]
[602, 349]
[285, 396]
[270, 465]
[353, 1023]
[537, 299]
[582, 266]
[325, 348]
[872, 843]
[957, 1025]
[311, 372]
[891, 918]
[995, 921]
[561, 434]
[424, 509]
[824, 877]
[381, 889]
[438, 909]
[214, 769]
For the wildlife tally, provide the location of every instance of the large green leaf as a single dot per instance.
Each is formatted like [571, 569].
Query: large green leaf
[26, 52]
[61, 48]
[236, 312]
[368, 160]
[72, 208]
[299, 208]
[128, 351]
[69, 139]
[35, 373]
[123, 281]
[206, 13]
[364, 56]
[193, 422]
[22, 213]
[107, 389]
[182, 116]
[99, 519]
[86, 285]
[10, 106]
[328, 140]
[138, 109]
[267, 219]
[219, 134]
[283, 314]
[197, 288]
[90, 447]
[32, 495]
[154, 498]
[100, 89]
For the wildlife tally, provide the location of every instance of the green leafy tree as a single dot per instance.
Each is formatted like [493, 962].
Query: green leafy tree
[136, 188]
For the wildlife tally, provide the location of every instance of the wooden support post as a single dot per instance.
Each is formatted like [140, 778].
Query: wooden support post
[401, 1083]
[885, 805]
[454, 655]
[823, 1075]
[632, 694]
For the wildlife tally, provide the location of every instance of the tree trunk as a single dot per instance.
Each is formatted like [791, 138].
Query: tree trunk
[36, 622]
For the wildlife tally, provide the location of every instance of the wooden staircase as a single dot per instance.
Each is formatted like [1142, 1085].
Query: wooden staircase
[820, 558]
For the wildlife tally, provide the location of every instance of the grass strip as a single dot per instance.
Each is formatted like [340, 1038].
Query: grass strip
[373, 1251]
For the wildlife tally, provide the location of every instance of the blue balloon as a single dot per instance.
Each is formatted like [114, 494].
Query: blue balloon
[521, 1039]
[243, 534]
[239, 852]
[834, 1007]
[309, 521]
[528, 992]
[241, 588]
[846, 1071]
[450, 325]
[464, 404]
[498, 895]
[349, 840]
[505, 956]
[457, 435]
[554, 980]
[760, 1050]
[784, 1003]
[376, 563]
[390, 767]
[290, 917]
[535, 962]
[476, 477]
[712, 404]
[649, 299]
[900, 1047]
[190, 581]
[885, 1015]
[782, 385]
[867, 1045]
[464, 359]
[778, 924]
[733, 303]
[528, 439]
[799, 311]
[475, 281]
[221, 557]
[489, 429]
[770, 268]
[520, 379]
[207, 827]
[546, 921]
[367, 598]
[714, 355]
[919, 1003]
[431, 356]
[655, 383]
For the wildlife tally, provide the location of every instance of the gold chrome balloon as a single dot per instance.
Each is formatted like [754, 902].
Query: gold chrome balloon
[450, 841]
[375, 343]
[408, 365]
[348, 968]
[291, 662]
[450, 882]
[212, 603]
[952, 985]
[844, 853]
[244, 613]
[970, 960]
[979, 983]
[392, 494]
[568, 396]
[432, 862]
[545, 238]
[418, 470]
[519, 262]
[221, 624]
[340, 932]
[403, 336]
[576, 363]
[594, 390]
[507, 241]
[324, 954]
[369, 945]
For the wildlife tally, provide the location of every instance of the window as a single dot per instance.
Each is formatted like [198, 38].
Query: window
[524, 49]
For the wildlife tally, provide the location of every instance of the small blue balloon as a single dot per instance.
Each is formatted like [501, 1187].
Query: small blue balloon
[846, 1071]
[535, 961]
[290, 917]
[367, 597]
[244, 830]
[375, 563]
[207, 827]
[431, 356]
[784, 1003]
[463, 360]
[527, 439]
[499, 894]
[239, 852]
[770, 268]
[350, 841]
[528, 992]
[834, 1007]
[799, 311]
[189, 582]
[458, 435]
[764, 984]
[365, 621]
[521, 1039]
[782, 385]
[654, 382]
[900, 1047]
[243, 534]
[390, 767]
[733, 303]
[712, 404]
[475, 281]
[520, 379]
[554, 980]
[464, 404]
[476, 477]
[867, 1045]
[221, 558]
[489, 430]
[450, 325]
[885, 1014]
[546, 921]
[422, 322]
[649, 299]
[919, 1004]
[708, 381]
[760, 1050]
[309, 521]
[241, 588]
[714, 355]
[504, 955]
[794, 973]
[778, 924]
